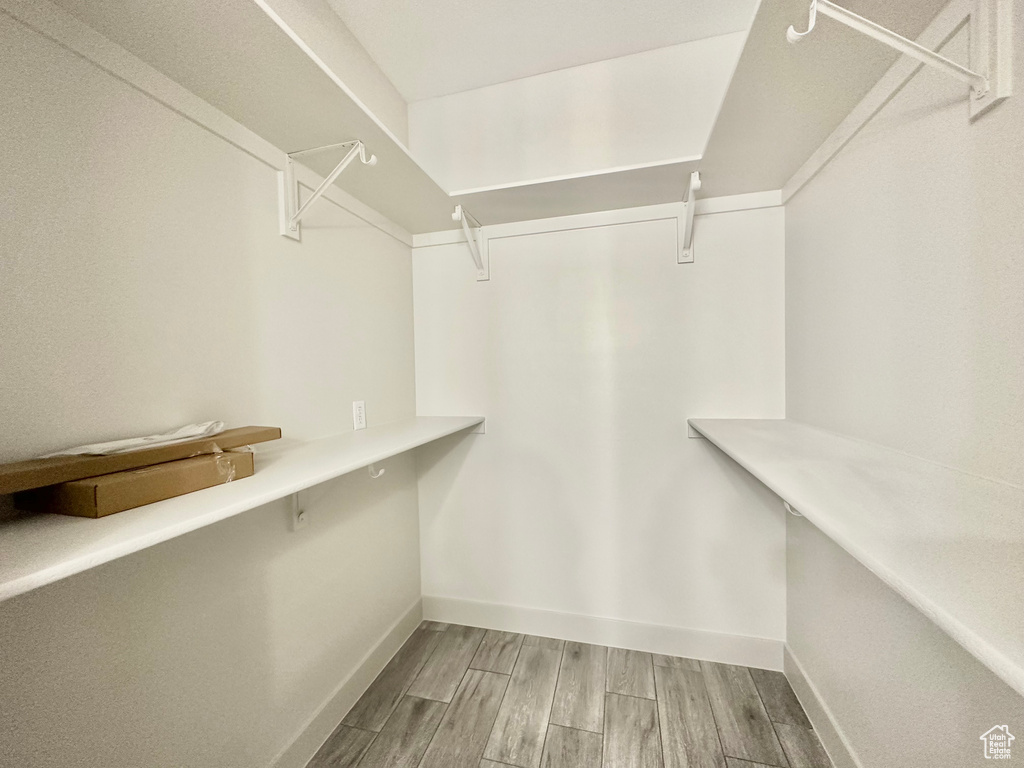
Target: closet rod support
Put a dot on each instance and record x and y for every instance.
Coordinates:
(991, 17)
(480, 259)
(299, 519)
(324, 148)
(686, 222)
(291, 211)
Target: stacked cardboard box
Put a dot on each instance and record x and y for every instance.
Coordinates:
(94, 486)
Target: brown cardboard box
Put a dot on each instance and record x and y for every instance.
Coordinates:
(107, 494)
(24, 475)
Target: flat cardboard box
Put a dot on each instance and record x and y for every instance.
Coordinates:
(107, 494)
(36, 473)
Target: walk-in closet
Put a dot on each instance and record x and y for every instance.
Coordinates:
(511, 383)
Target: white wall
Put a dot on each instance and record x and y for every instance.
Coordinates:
(143, 284)
(904, 275)
(648, 107)
(905, 326)
(587, 350)
(894, 681)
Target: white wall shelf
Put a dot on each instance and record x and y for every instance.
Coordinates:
(262, 71)
(951, 543)
(40, 549)
(267, 65)
(611, 189)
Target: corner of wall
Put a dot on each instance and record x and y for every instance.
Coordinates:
(322, 724)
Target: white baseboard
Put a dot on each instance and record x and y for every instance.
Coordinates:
(654, 638)
(825, 725)
(323, 722)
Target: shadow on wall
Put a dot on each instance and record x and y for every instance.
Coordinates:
(163, 643)
(343, 579)
(531, 556)
(7, 510)
(214, 648)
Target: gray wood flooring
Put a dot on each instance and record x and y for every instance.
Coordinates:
(461, 697)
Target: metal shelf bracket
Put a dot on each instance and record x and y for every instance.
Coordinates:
(686, 220)
(477, 243)
(290, 212)
(989, 75)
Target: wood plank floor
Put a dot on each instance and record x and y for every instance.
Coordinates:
(461, 697)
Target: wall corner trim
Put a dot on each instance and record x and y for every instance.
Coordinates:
(763, 653)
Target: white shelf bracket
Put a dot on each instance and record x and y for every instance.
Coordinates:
(686, 220)
(991, 47)
(299, 519)
(477, 243)
(290, 212)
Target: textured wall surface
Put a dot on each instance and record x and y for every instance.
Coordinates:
(143, 285)
(905, 326)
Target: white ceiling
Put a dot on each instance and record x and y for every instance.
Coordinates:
(434, 48)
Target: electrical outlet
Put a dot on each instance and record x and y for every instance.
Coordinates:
(359, 415)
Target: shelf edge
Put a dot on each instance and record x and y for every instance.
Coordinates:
(991, 657)
(63, 569)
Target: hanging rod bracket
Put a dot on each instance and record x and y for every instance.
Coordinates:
(477, 243)
(992, 51)
(290, 212)
(686, 220)
(991, 43)
(299, 518)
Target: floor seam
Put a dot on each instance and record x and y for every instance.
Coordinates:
(771, 722)
(574, 728)
(775, 731)
(365, 730)
(497, 711)
(627, 695)
(490, 731)
(714, 718)
(748, 760)
(447, 705)
(366, 749)
(551, 706)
